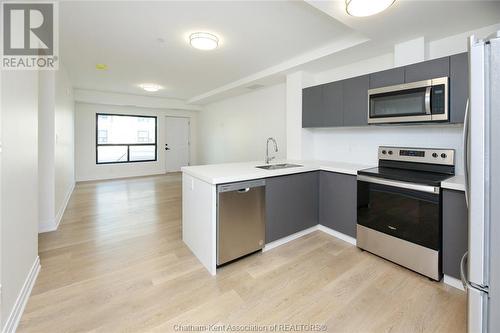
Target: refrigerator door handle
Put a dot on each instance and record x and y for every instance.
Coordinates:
(466, 151)
(463, 274)
(465, 280)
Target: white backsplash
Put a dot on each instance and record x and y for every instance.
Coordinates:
(360, 144)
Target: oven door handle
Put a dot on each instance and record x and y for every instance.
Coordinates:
(399, 184)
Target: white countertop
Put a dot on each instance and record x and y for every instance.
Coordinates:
(454, 183)
(234, 172)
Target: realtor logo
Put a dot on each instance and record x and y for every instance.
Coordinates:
(29, 32)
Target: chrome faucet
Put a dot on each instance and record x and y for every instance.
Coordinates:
(269, 159)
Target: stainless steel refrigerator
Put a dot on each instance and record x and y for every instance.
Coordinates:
(481, 264)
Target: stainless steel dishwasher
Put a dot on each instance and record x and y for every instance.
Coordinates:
(240, 219)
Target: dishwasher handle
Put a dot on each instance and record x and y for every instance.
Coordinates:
(241, 187)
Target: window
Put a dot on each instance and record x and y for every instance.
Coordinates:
(125, 139)
(102, 136)
(142, 136)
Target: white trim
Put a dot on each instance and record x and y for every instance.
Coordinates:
(453, 282)
(290, 238)
(22, 299)
(299, 234)
(336, 234)
(53, 225)
(62, 209)
(46, 226)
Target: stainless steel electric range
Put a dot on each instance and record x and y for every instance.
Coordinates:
(399, 207)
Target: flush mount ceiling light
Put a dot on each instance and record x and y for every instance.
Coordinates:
(203, 41)
(150, 87)
(361, 8)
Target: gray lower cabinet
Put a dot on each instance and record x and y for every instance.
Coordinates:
(291, 204)
(459, 86)
(387, 78)
(338, 202)
(455, 231)
(427, 70)
(355, 101)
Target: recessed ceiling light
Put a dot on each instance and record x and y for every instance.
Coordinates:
(150, 87)
(101, 67)
(363, 8)
(203, 41)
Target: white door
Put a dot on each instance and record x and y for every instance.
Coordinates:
(176, 143)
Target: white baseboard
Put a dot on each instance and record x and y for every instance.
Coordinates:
(47, 226)
(53, 225)
(62, 209)
(290, 238)
(118, 176)
(451, 281)
(299, 234)
(336, 234)
(21, 301)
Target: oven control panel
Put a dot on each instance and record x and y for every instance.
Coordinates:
(417, 155)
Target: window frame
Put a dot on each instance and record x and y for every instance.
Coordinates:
(128, 145)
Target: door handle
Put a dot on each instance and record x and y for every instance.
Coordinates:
(405, 185)
(244, 190)
(465, 139)
(463, 274)
(427, 100)
(166, 146)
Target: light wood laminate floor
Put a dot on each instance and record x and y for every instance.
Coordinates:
(118, 264)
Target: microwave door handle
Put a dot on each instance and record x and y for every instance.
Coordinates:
(427, 100)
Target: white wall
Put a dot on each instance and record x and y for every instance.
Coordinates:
(56, 161)
(85, 150)
(236, 128)
(359, 145)
(64, 142)
(457, 43)
(46, 151)
(19, 184)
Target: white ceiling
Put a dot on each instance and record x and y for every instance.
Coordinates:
(123, 34)
(259, 39)
(407, 19)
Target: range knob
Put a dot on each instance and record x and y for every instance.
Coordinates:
(390, 152)
(435, 155)
(384, 152)
(443, 155)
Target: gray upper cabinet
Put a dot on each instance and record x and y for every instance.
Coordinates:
(388, 77)
(333, 102)
(338, 202)
(345, 103)
(322, 105)
(355, 101)
(459, 86)
(427, 70)
(455, 231)
(312, 107)
(291, 204)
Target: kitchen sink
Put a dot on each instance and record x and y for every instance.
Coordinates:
(278, 166)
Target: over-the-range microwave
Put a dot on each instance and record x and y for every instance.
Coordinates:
(422, 101)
